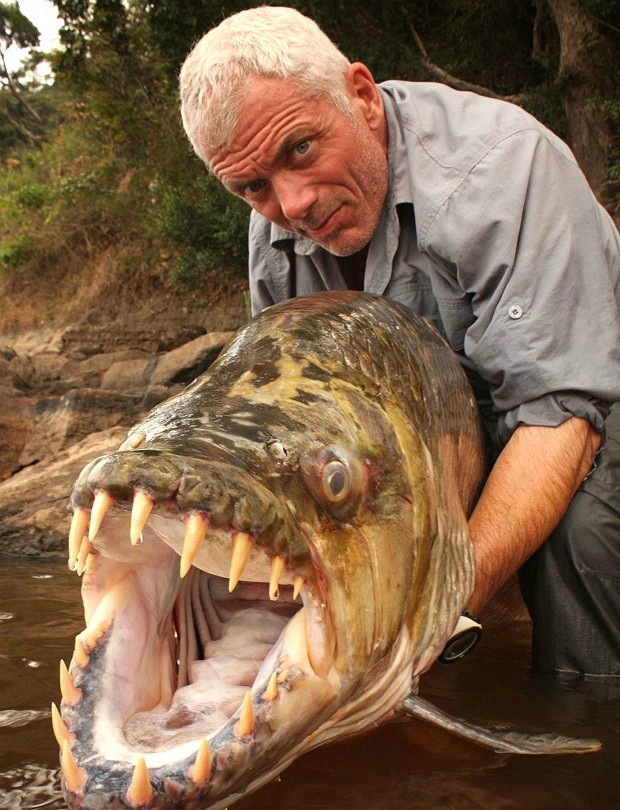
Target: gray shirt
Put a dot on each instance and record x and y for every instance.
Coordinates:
(491, 232)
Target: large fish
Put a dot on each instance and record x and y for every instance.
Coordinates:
(315, 483)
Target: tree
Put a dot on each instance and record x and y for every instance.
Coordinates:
(589, 77)
(16, 29)
(573, 79)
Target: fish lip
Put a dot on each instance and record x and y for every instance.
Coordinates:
(229, 495)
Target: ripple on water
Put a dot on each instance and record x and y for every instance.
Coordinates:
(13, 718)
(30, 787)
(404, 766)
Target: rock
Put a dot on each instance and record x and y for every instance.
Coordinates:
(92, 371)
(14, 372)
(129, 376)
(85, 340)
(16, 425)
(42, 369)
(184, 364)
(61, 421)
(69, 395)
(7, 352)
(33, 503)
(34, 341)
(158, 393)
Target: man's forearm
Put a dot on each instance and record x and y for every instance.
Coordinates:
(524, 498)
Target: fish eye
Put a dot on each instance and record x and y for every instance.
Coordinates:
(336, 481)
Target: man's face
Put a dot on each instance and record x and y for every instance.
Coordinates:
(308, 167)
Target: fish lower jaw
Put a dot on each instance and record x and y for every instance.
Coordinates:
(227, 712)
(211, 705)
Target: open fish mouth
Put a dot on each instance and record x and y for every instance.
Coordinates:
(270, 557)
(189, 661)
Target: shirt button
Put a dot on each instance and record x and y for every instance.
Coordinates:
(515, 312)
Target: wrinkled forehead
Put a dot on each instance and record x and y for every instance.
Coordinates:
(273, 93)
(268, 110)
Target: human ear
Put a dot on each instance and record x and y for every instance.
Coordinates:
(364, 95)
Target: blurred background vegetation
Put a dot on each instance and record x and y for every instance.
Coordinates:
(95, 163)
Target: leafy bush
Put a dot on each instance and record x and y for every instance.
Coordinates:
(209, 225)
(32, 196)
(14, 252)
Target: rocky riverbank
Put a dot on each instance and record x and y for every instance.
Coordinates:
(70, 393)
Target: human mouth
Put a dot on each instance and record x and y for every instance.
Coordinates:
(326, 227)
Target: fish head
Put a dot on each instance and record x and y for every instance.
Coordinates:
(315, 483)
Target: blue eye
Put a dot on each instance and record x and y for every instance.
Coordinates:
(255, 186)
(302, 147)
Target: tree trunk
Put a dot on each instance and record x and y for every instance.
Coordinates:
(587, 71)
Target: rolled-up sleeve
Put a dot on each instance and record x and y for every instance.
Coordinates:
(539, 259)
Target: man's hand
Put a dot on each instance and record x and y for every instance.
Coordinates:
(524, 498)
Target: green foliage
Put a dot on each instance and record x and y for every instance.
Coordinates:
(611, 110)
(104, 165)
(174, 28)
(16, 28)
(544, 102)
(69, 198)
(208, 224)
(31, 196)
(606, 10)
(14, 252)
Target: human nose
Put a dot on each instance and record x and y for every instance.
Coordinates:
(295, 196)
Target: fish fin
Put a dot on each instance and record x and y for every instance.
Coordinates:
(509, 742)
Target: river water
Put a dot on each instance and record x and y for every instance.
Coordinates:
(402, 765)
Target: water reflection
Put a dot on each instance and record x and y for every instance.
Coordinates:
(40, 612)
(404, 765)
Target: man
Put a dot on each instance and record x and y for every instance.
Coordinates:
(472, 213)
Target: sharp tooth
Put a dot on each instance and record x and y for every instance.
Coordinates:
(61, 732)
(80, 656)
(140, 791)
(75, 777)
(85, 549)
(71, 695)
(242, 545)
(79, 525)
(103, 501)
(140, 512)
(295, 642)
(200, 771)
(196, 527)
(247, 720)
(271, 692)
(278, 565)
(298, 583)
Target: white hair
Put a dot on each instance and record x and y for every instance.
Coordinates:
(257, 43)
